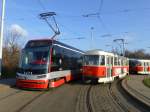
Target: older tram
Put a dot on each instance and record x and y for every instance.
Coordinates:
(139, 66)
(103, 66)
(48, 63)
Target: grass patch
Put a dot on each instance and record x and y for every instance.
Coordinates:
(128, 77)
(146, 82)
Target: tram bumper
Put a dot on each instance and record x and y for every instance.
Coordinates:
(32, 84)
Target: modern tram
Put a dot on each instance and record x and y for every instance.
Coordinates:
(139, 66)
(104, 67)
(48, 63)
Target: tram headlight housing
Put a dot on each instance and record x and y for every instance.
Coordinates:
(41, 76)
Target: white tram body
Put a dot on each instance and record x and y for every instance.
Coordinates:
(139, 66)
(104, 66)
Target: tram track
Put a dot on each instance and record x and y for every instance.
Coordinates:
(102, 100)
(116, 98)
(30, 101)
(99, 98)
(84, 103)
(107, 97)
(125, 100)
(11, 94)
(88, 100)
(17, 100)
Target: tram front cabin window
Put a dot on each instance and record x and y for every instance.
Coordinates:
(94, 60)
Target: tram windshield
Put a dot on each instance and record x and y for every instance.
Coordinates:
(134, 63)
(34, 60)
(94, 60)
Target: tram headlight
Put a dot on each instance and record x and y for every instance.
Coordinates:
(41, 76)
(17, 75)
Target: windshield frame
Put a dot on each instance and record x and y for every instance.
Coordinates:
(41, 65)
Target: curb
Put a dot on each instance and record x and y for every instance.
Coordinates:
(134, 95)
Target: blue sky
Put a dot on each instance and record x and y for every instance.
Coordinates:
(128, 19)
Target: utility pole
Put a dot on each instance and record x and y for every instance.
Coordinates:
(1, 34)
(92, 28)
(123, 45)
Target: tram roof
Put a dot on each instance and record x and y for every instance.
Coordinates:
(142, 60)
(98, 52)
(48, 42)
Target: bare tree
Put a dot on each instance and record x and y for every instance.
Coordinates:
(11, 48)
(139, 54)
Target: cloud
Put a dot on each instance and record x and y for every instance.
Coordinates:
(16, 29)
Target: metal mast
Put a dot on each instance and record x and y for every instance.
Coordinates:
(123, 45)
(1, 33)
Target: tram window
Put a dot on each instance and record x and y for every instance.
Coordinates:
(112, 60)
(102, 60)
(56, 58)
(126, 62)
(140, 64)
(95, 60)
(147, 63)
(123, 62)
(119, 62)
(133, 63)
(107, 60)
(116, 61)
(91, 60)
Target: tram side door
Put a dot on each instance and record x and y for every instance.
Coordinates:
(109, 60)
(145, 68)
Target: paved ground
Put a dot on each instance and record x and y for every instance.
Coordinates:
(134, 85)
(70, 97)
(63, 98)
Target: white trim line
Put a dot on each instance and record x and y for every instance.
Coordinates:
(68, 48)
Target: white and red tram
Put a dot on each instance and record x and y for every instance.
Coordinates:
(48, 63)
(104, 66)
(139, 66)
(120, 66)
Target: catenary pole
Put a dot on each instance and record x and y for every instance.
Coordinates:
(1, 34)
(92, 46)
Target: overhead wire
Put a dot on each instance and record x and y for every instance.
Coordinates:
(72, 32)
(100, 6)
(78, 37)
(41, 5)
(100, 18)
